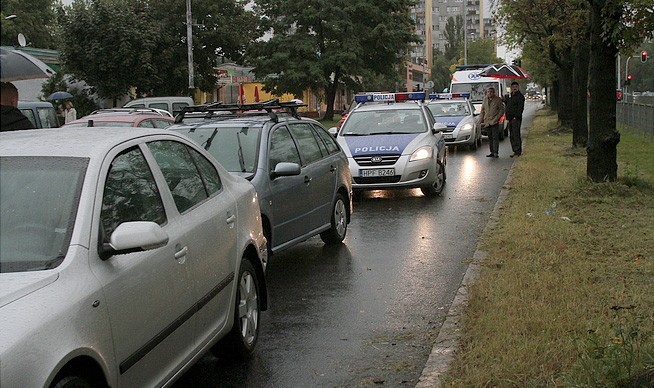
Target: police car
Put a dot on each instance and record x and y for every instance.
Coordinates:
(458, 114)
(394, 144)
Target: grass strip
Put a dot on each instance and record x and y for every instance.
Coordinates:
(565, 296)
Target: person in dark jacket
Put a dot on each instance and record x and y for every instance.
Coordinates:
(515, 104)
(11, 118)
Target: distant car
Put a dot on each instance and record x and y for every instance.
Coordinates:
(459, 116)
(144, 118)
(299, 171)
(396, 144)
(41, 113)
(173, 104)
(125, 254)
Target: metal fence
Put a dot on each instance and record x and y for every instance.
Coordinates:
(638, 116)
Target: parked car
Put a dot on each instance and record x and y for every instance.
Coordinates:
(396, 144)
(458, 115)
(130, 117)
(125, 254)
(299, 171)
(41, 113)
(173, 104)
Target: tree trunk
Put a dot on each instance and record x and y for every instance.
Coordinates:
(330, 97)
(554, 95)
(565, 97)
(580, 97)
(603, 138)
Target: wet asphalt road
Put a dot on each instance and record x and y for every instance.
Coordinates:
(366, 313)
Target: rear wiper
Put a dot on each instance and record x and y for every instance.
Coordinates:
(207, 144)
(241, 160)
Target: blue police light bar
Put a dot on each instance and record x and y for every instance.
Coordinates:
(389, 97)
(447, 96)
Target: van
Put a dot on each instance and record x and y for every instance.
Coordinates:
(466, 79)
(173, 105)
(41, 113)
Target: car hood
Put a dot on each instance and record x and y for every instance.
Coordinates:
(450, 121)
(379, 144)
(15, 285)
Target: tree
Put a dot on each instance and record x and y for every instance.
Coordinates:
(614, 24)
(481, 51)
(454, 36)
(34, 19)
(110, 44)
(318, 43)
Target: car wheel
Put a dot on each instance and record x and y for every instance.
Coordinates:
(72, 381)
(336, 232)
(437, 187)
(240, 341)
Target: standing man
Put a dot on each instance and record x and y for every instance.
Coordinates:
(515, 104)
(492, 110)
(11, 118)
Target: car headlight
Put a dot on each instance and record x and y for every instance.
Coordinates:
(421, 153)
(467, 127)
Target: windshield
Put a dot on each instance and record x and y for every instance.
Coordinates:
(377, 122)
(454, 108)
(477, 90)
(234, 147)
(38, 203)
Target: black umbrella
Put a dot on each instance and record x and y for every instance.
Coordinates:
(59, 96)
(16, 65)
(502, 70)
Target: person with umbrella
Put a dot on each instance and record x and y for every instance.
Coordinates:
(11, 118)
(515, 105)
(70, 113)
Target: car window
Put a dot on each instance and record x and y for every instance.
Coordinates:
(137, 106)
(130, 193)
(48, 117)
(307, 142)
(330, 142)
(30, 115)
(161, 123)
(387, 121)
(207, 172)
(282, 148)
(158, 105)
(178, 106)
(147, 123)
(180, 172)
(39, 197)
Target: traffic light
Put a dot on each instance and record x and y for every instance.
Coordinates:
(643, 56)
(628, 80)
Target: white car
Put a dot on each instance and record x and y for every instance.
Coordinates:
(125, 254)
(396, 144)
(458, 115)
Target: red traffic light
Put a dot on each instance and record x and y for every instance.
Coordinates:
(643, 56)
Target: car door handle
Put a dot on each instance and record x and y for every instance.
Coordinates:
(307, 179)
(181, 253)
(230, 220)
(332, 168)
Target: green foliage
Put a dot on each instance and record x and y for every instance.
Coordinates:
(34, 19)
(318, 43)
(454, 36)
(440, 72)
(481, 51)
(82, 101)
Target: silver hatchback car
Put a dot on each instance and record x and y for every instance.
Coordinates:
(300, 173)
(125, 253)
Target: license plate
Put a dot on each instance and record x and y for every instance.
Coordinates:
(377, 172)
(447, 136)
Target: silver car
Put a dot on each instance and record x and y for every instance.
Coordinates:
(125, 253)
(300, 173)
(396, 144)
(459, 116)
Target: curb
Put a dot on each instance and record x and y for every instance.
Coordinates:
(447, 342)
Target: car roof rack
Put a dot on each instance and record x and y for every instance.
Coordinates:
(155, 111)
(271, 107)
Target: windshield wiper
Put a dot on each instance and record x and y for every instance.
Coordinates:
(207, 144)
(241, 160)
(391, 133)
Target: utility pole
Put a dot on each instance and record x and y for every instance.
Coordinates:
(189, 48)
(465, 32)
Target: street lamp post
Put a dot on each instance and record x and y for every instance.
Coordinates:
(189, 46)
(465, 32)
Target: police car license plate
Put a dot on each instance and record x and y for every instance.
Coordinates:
(377, 172)
(447, 136)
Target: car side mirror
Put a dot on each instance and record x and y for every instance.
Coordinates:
(333, 131)
(286, 169)
(439, 127)
(134, 236)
